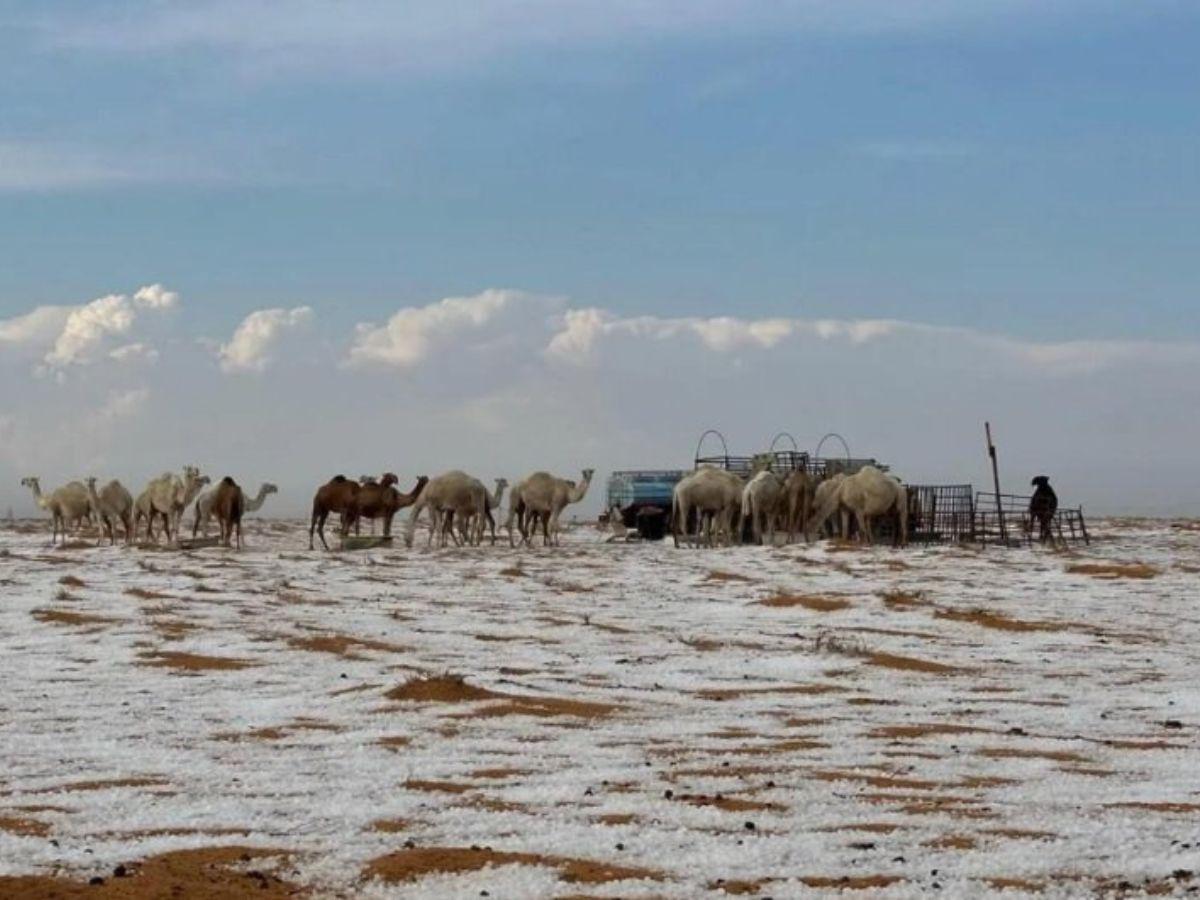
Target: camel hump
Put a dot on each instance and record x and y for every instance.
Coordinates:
(228, 481)
(339, 479)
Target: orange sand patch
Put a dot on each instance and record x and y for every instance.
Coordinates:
(909, 732)
(856, 883)
(438, 787)
(996, 621)
(60, 617)
(952, 842)
(24, 827)
(730, 804)
(912, 664)
(205, 874)
(498, 774)
(441, 689)
(415, 864)
(547, 706)
(816, 604)
(1112, 571)
(395, 742)
(1014, 753)
(513, 572)
(616, 819)
(1166, 807)
(71, 581)
(193, 662)
(391, 826)
(103, 785)
(342, 645)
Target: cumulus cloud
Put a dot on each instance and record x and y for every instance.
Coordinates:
(87, 327)
(416, 333)
(80, 335)
(134, 353)
(36, 328)
(252, 347)
(155, 296)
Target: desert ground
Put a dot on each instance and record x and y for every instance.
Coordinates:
(601, 720)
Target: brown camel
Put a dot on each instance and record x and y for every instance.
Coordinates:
(381, 500)
(228, 506)
(337, 496)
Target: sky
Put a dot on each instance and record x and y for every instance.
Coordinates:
(287, 240)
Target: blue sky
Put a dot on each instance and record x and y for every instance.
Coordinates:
(1019, 169)
(998, 166)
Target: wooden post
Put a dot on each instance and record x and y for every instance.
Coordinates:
(987, 427)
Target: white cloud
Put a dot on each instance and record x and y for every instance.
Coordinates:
(38, 327)
(415, 333)
(134, 353)
(87, 326)
(155, 296)
(252, 347)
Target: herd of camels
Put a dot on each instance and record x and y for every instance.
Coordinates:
(710, 506)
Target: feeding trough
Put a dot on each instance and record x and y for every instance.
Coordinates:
(365, 542)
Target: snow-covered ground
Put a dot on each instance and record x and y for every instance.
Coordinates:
(635, 721)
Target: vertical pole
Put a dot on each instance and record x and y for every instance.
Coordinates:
(987, 427)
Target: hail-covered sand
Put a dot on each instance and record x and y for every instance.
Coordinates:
(606, 720)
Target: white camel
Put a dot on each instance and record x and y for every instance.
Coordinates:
(493, 503)
(761, 501)
(867, 495)
(111, 505)
(68, 505)
(715, 497)
(204, 506)
(453, 493)
(167, 496)
(797, 502)
(543, 497)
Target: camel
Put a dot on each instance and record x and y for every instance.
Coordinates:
(452, 493)
(167, 496)
(714, 495)
(797, 502)
(824, 493)
(113, 504)
(760, 504)
(867, 494)
(544, 497)
(68, 504)
(204, 505)
(228, 505)
(335, 496)
(493, 502)
(381, 500)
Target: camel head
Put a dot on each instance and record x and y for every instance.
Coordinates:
(501, 482)
(90, 482)
(587, 475)
(1040, 481)
(388, 479)
(191, 472)
(30, 482)
(269, 488)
